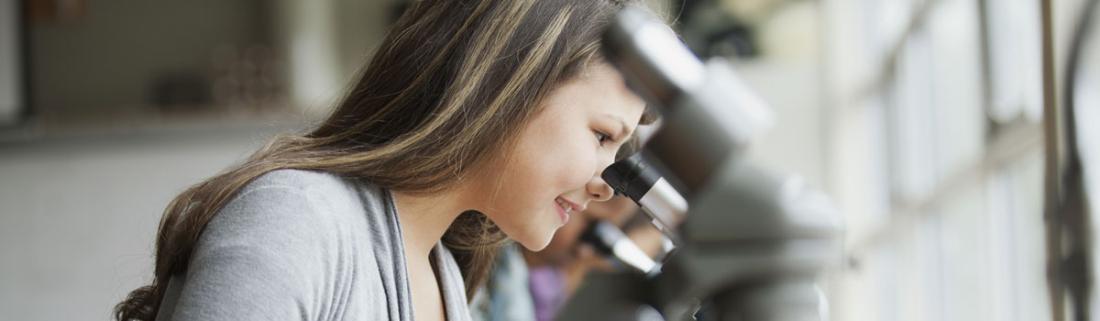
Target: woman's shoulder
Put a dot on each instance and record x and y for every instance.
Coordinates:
(296, 179)
(301, 211)
(290, 235)
(320, 188)
(303, 197)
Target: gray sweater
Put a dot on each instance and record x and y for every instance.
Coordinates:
(302, 245)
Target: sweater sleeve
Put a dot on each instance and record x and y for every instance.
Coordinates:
(265, 256)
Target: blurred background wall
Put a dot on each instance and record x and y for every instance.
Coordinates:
(11, 88)
(936, 141)
(140, 45)
(128, 103)
(920, 117)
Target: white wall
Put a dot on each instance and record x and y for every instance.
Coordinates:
(787, 76)
(326, 43)
(78, 214)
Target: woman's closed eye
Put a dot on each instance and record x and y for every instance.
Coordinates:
(602, 137)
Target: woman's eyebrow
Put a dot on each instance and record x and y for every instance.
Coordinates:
(625, 131)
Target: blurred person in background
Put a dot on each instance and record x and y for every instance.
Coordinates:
(473, 122)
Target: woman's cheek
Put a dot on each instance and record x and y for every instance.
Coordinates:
(574, 162)
(583, 165)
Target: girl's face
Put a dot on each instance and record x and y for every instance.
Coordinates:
(554, 170)
(566, 246)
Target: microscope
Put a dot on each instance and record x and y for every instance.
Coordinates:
(750, 244)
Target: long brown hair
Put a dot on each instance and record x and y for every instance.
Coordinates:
(451, 85)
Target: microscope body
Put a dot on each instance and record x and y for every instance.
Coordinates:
(753, 242)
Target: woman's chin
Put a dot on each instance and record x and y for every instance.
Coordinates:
(535, 244)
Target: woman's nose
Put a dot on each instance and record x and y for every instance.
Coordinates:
(599, 190)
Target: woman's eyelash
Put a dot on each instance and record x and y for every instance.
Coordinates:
(602, 137)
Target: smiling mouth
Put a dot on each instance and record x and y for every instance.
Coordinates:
(565, 208)
(565, 205)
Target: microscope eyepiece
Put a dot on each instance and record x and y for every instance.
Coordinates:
(643, 184)
(631, 177)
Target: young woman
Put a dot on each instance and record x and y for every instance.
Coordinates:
(472, 119)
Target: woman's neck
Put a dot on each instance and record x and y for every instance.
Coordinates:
(424, 219)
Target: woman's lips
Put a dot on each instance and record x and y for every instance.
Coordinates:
(563, 213)
(565, 208)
